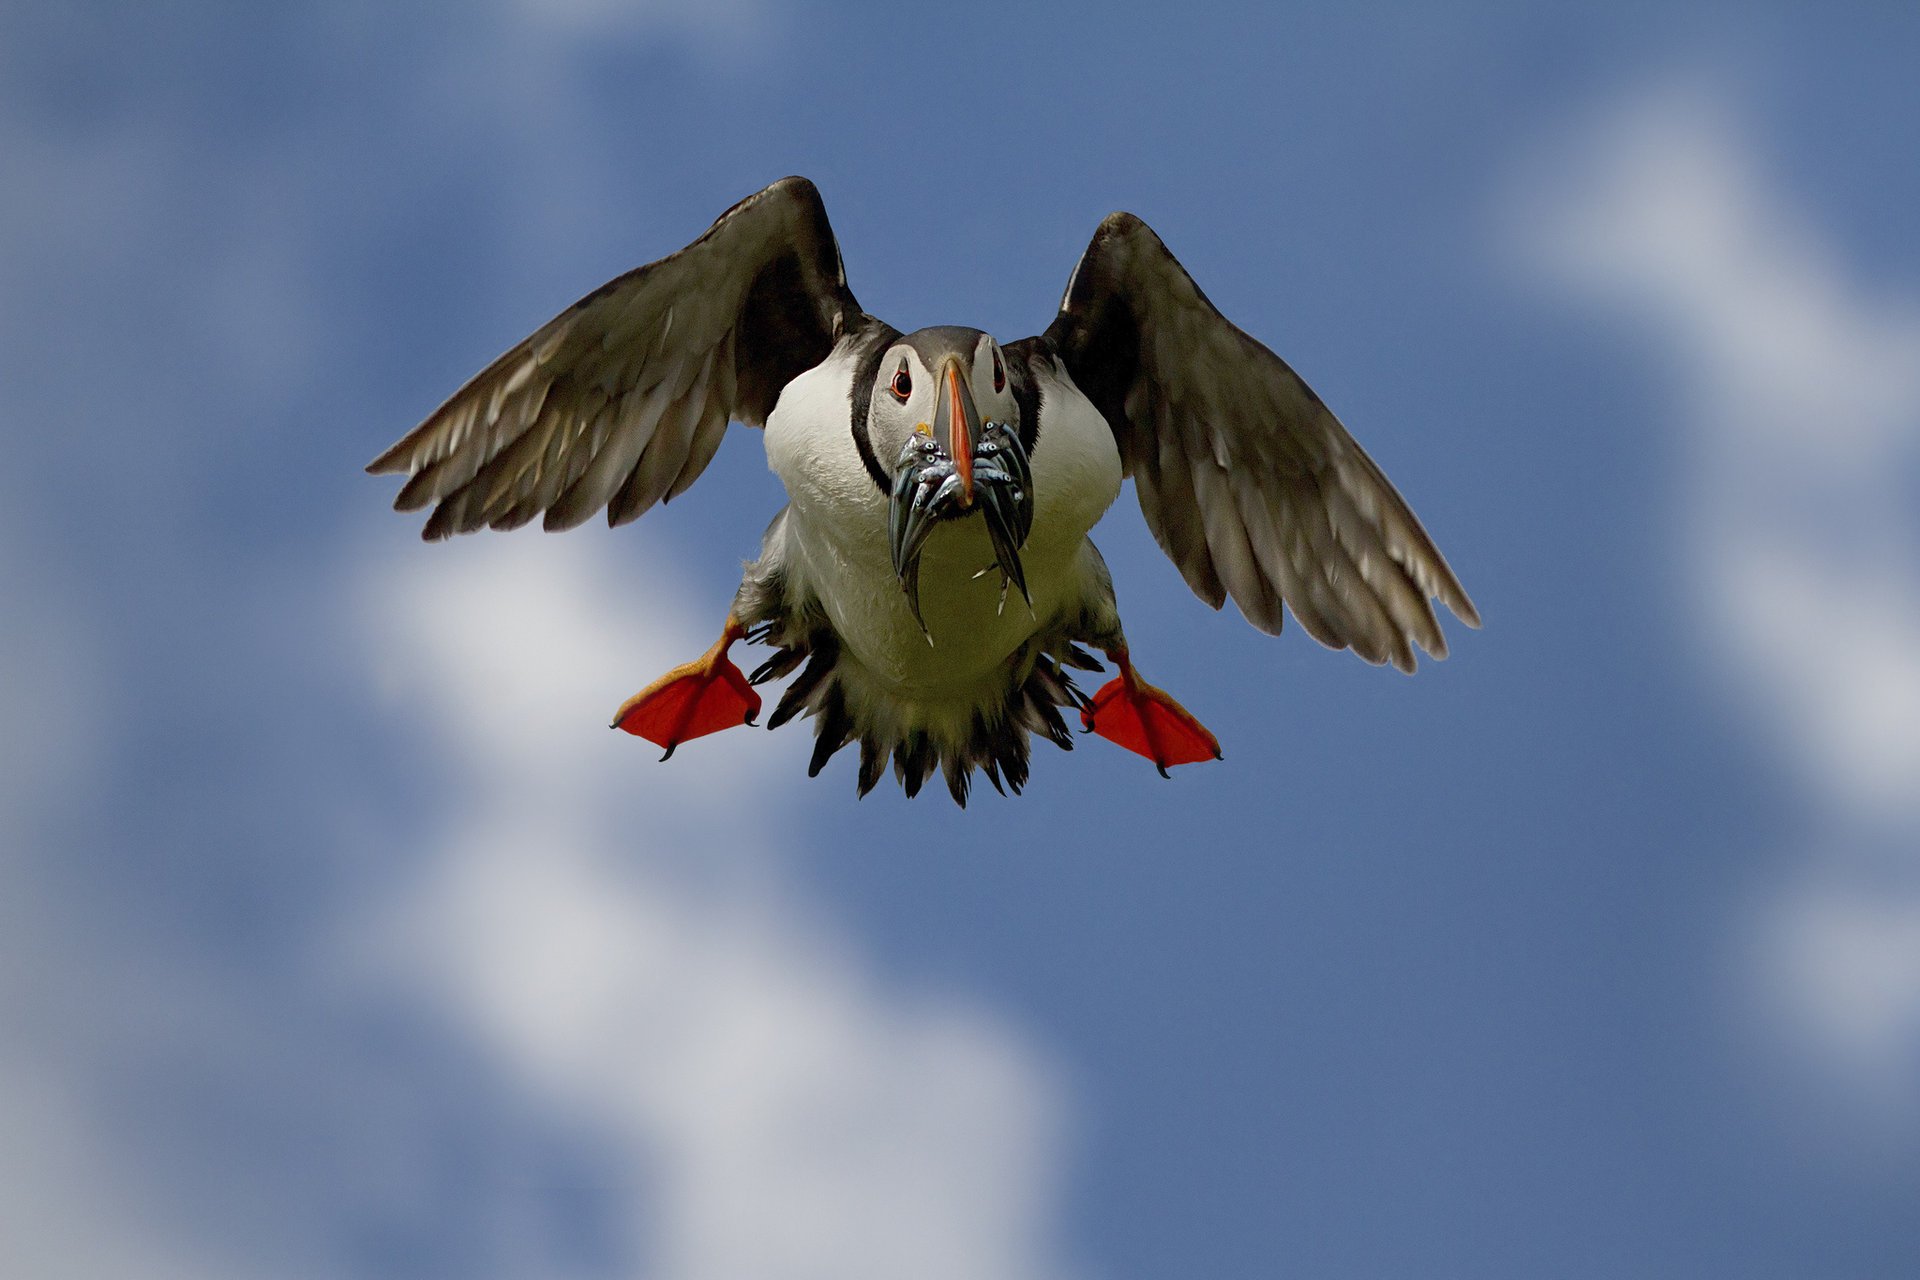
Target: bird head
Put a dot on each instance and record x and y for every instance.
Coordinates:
(942, 383)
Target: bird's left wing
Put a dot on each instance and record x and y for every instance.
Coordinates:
(621, 400)
(1248, 482)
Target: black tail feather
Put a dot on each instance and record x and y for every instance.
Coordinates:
(782, 662)
(835, 731)
(997, 741)
(1073, 655)
(873, 762)
(912, 761)
(800, 693)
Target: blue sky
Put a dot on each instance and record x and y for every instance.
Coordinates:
(338, 937)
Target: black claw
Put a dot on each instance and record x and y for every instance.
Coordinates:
(835, 731)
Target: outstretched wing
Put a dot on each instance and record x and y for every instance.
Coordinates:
(621, 400)
(1248, 481)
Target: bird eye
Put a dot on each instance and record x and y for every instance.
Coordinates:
(999, 373)
(902, 384)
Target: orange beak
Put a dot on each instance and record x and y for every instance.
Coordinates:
(956, 424)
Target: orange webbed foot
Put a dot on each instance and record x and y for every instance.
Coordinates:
(1144, 719)
(692, 700)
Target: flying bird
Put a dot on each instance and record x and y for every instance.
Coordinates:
(930, 576)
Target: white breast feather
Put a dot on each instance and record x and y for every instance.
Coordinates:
(838, 552)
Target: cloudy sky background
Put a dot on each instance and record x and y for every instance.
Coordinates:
(339, 938)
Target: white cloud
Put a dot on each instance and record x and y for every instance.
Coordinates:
(783, 1111)
(77, 1200)
(68, 1214)
(66, 1210)
(1842, 959)
(616, 945)
(1801, 407)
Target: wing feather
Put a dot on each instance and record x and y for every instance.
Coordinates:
(1233, 556)
(622, 399)
(1247, 480)
(707, 435)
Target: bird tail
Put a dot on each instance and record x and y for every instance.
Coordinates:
(993, 737)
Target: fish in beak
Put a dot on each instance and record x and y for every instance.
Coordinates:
(942, 469)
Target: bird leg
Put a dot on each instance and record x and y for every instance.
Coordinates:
(694, 699)
(1147, 720)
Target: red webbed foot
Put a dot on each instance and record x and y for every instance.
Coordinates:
(692, 700)
(1147, 720)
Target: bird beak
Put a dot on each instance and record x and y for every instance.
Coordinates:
(956, 425)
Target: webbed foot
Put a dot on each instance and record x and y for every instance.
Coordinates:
(692, 700)
(1144, 719)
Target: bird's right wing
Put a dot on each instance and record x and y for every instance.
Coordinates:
(621, 400)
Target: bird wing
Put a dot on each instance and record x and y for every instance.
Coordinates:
(621, 400)
(1249, 483)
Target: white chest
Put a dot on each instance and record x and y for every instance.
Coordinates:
(838, 550)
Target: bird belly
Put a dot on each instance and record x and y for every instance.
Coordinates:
(972, 626)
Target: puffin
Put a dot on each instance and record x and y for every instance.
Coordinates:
(931, 577)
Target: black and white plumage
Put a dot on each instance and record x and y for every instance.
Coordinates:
(1247, 480)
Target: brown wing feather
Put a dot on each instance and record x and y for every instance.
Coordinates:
(620, 400)
(1248, 482)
